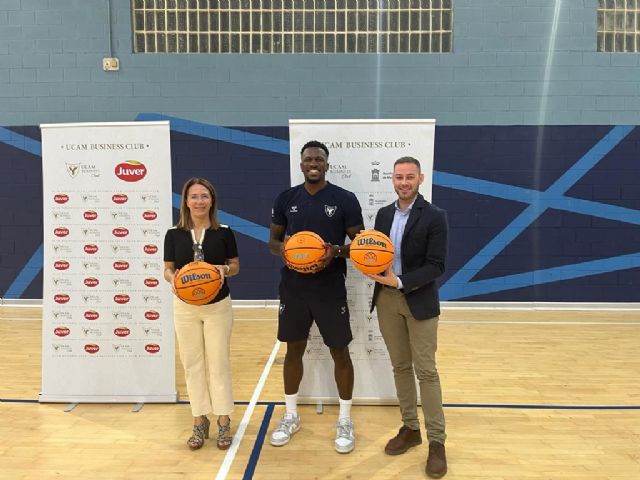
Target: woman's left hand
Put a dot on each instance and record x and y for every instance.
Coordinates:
(223, 269)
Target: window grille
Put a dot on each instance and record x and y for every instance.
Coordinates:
(292, 26)
(619, 25)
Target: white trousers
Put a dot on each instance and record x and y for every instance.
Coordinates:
(204, 337)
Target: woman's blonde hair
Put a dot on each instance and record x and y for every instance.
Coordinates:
(184, 222)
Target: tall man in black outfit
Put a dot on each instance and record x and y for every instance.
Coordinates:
(406, 297)
(333, 213)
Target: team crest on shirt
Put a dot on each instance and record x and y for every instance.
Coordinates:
(330, 210)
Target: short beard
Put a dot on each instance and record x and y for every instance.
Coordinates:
(313, 181)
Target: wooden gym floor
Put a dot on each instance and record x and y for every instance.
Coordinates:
(529, 395)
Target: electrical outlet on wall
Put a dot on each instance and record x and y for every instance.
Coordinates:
(110, 64)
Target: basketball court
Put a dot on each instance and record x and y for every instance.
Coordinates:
(529, 394)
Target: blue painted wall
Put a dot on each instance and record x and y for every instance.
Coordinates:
(551, 218)
(537, 214)
(51, 71)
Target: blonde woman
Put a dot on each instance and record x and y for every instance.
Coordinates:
(204, 332)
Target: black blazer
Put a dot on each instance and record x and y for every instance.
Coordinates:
(423, 253)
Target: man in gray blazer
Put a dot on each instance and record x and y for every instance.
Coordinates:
(406, 297)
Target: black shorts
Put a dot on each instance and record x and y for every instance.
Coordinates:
(328, 307)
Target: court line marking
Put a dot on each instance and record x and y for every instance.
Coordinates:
(527, 322)
(259, 442)
(242, 427)
(446, 405)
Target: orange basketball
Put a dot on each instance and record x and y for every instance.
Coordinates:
(197, 283)
(303, 250)
(371, 252)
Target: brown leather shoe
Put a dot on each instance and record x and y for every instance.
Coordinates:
(402, 442)
(437, 461)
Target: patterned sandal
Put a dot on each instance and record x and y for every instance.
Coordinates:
(200, 432)
(224, 437)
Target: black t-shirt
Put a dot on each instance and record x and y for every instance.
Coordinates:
(328, 213)
(217, 246)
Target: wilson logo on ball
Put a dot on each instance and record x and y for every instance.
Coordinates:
(121, 332)
(61, 232)
(91, 282)
(151, 282)
(90, 249)
(151, 315)
(61, 331)
(120, 232)
(368, 241)
(152, 348)
(91, 315)
(61, 298)
(61, 198)
(121, 299)
(131, 171)
(121, 265)
(61, 265)
(150, 249)
(119, 198)
(91, 348)
(194, 277)
(90, 215)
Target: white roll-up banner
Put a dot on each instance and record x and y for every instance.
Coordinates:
(107, 326)
(361, 157)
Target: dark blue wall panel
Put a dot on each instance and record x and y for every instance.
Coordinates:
(536, 214)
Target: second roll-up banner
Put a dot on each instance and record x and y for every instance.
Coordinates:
(361, 157)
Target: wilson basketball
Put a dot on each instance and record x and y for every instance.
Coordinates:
(197, 283)
(303, 250)
(371, 252)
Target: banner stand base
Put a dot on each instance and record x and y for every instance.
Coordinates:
(137, 407)
(70, 407)
(137, 400)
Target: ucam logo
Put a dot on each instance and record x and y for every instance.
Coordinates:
(150, 249)
(131, 171)
(61, 265)
(90, 215)
(61, 198)
(149, 215)
(120, 232)
(119, 198)
(61, 331)
(152, 348)
(61, 232)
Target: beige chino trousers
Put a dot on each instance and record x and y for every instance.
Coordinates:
(204, 337)
(412, 346)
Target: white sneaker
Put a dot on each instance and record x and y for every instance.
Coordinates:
(345, 437)
(289, 425)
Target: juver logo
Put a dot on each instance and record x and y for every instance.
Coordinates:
(131, 171)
